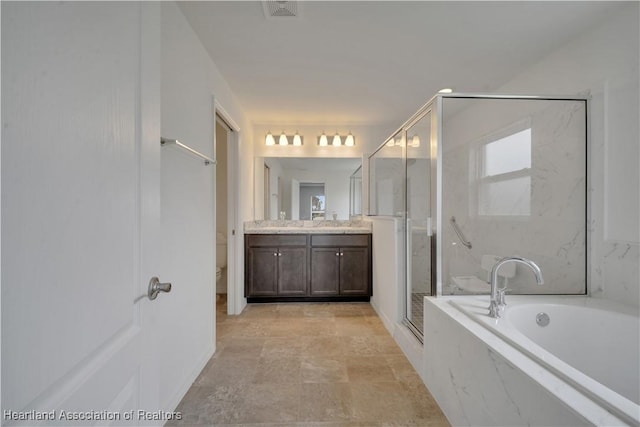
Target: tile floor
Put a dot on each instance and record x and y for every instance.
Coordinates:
(307, 365)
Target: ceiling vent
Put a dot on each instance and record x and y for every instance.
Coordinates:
(280, 9)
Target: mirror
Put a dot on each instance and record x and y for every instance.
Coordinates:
(305, 188)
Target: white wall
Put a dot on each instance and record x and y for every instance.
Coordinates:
(605, 62)
(388, 264)
(388, 278)
(190, 82)
(275, 198)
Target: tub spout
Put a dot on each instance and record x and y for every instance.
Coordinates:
(496, 306)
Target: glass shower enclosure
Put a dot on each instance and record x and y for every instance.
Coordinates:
(476, 177)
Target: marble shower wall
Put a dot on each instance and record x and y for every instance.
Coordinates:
(544, 220)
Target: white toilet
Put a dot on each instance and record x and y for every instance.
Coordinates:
(221, 261)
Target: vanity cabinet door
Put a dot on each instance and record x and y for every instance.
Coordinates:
(262, 272)
(292, 271)
(325, 271)
(354, 271)
(341, 265)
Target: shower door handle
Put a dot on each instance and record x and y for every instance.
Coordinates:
(155, 287)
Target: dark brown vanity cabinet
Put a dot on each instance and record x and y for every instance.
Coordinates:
(276, 265)
(341, 265)
(311, 267)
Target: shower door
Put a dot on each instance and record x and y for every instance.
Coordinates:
(420, 219)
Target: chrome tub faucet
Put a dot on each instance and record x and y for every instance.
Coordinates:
(496, 307)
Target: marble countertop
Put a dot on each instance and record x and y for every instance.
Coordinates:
(308, 230)
(307, 227)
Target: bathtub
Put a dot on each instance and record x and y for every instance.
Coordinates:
(565, 360)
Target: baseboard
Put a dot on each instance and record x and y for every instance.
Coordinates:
(410, 346)
(406, 340)
(253, 300)
(385, 320)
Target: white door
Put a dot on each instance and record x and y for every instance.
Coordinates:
(80, 209)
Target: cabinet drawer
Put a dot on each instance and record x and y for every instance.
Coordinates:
(340, 240)
(257, 240)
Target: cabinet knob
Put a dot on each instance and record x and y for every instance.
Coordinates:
(279, 253)
(341, 253)
(337, 254)
(275, 254)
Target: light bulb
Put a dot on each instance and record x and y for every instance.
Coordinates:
(268, 140)
(283, 139)
(297, 140)
(336, 140)
(323, 142)
(415, 141)
(350, 141)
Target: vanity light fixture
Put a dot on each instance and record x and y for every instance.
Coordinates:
(322, 140)
(283, 139)
(269, 140)
(337, 140)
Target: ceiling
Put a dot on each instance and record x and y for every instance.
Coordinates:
(369, 63)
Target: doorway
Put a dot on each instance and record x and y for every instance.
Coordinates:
(312, 201)
(227, 137)
(222, 202)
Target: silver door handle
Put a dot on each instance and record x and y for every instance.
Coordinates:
(155, 287)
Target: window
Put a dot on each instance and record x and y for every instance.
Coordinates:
(505, 173)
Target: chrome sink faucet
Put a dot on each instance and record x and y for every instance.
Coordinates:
(496, 307)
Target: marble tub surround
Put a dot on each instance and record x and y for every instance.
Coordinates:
(307, 364)
(487, 378)
(303, 227)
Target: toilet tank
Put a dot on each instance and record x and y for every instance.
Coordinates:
(221, 250)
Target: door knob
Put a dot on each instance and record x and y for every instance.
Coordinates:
(155, 287)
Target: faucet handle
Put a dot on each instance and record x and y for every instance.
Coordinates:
(495, 309)
(501, 294)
